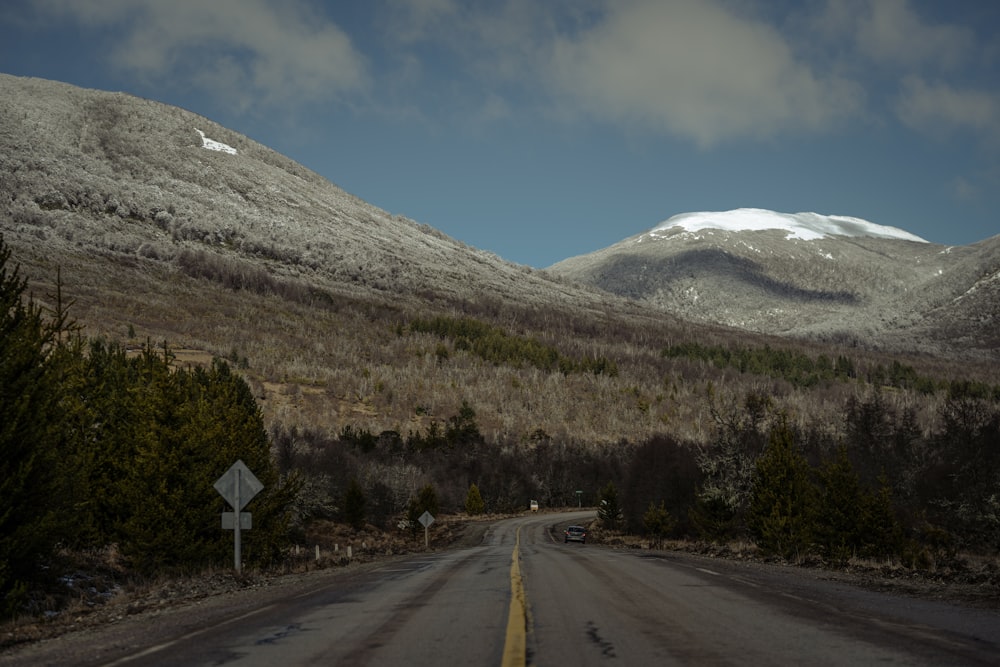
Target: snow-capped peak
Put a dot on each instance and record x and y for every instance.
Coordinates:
(805, 226)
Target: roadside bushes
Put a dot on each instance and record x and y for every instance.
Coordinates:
(148, 441)
(33, 507)
(880, 490)
(783, 500)
(99, 446)
(474, 501)
(663, 477)
(964, 487)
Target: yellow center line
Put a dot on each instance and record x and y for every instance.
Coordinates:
(516, 646)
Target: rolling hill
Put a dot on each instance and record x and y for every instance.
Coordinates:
(805, 275)
(159, 226)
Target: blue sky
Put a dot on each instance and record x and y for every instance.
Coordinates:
(540, 130)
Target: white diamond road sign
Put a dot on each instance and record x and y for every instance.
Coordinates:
(238, 485)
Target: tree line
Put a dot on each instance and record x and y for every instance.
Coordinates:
(495, 345)
(100, 446)
(802, 370)
(875, 487)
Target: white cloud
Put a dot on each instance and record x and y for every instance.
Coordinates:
(246, 51)
(964, 190)
(694, 69)
(707, 71)
(891, 32)
(410, 21)
(939, 108)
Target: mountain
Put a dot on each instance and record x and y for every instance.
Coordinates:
(829, 278)
(382, 353)
(90, 171)
(158, 225)
(155, 225)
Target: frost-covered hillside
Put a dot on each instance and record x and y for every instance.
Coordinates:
(128, 198)
(108, 174)
(825, 277)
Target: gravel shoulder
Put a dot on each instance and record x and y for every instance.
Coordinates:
(177, 606)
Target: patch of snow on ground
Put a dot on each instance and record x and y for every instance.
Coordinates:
(213, 145)
(804, 226)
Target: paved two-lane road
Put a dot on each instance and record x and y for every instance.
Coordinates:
(525, 596)
(594, 606)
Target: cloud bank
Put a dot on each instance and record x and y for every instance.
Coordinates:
(703, 71)
(245, 52)
(695, 70)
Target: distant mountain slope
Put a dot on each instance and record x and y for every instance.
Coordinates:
(91, 171)
(164, 227)
(822, 277)
(118, 192)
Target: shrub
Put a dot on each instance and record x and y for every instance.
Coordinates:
(474, 501)
(658, 522)
(782, 506)
(30, 493)
(609, 510)
(354, 505)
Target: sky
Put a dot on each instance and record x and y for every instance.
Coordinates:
(545, 129)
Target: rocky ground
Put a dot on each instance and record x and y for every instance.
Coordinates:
(99, 597)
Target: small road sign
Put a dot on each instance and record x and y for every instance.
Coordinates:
(229, 521)
(426, 519)
(238, 486)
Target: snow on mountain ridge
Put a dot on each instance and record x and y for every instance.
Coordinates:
(804, 226)
(213, 145)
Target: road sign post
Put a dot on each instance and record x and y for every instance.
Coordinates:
(238, 486)
(426, 519)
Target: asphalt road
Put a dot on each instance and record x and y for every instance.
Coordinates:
(525, 597)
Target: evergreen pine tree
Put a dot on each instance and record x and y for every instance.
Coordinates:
(658, 522)
(609, 510)
(355, 511)
(782, 505)
(426, 501)
(881, 533)
(199, 422)
(474, 501)
(841, 509)
(30, 498)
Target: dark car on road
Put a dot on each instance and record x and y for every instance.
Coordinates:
(575, 534)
